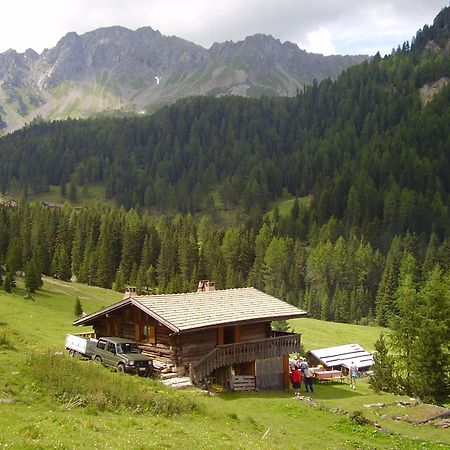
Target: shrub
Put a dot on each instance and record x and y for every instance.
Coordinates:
(6, 343)
(75, 382)
(359, 418)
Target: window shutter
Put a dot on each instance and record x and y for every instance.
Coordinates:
(137, 332)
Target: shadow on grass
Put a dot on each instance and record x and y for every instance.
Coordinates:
(321, 392)
(335, 391)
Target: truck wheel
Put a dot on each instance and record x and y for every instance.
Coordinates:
(98, 359)
(121, 368)
(72, 353)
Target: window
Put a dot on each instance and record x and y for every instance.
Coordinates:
(111, 347)
(148, 333)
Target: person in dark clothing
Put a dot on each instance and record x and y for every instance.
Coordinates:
(309, 380)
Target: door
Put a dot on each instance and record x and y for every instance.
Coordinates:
(231, 335)
(110, 354)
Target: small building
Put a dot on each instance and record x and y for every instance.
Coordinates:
(341, 357)
(212, 335)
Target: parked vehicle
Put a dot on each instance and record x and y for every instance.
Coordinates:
(121, 354)
(78, 345)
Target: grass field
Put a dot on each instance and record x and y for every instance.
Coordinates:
(318, 333)
(286, 203)
(41, 412)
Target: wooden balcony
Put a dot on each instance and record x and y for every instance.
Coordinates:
(279, 344)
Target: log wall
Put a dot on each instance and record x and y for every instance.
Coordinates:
(180, 349)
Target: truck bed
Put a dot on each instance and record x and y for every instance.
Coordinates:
(80, 345)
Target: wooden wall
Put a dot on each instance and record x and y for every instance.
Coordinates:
(192, 346)
(171, 348)
(254, 331)
(270, 374)
(127, 323)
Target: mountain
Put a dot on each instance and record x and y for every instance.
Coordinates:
(370, 149)
(116, 69)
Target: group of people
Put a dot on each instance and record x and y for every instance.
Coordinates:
(300, 371)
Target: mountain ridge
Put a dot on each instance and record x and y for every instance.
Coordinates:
(115, 68)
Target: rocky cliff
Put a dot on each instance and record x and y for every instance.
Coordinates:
(119, 70)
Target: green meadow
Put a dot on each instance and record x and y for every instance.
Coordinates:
(48, 400)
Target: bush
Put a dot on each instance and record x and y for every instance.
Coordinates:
(6, 343)
(75, 382)
(359, 418)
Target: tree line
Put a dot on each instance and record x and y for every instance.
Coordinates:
(373, 154)
(332, 276)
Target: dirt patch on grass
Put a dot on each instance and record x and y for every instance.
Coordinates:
(423, 413)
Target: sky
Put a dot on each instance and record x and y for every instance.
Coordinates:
(321, 26)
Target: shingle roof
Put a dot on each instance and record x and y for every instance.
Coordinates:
(182, 312)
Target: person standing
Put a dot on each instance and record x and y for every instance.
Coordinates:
(309, 380)
(303, 368)
(353, 375)
(296, 379)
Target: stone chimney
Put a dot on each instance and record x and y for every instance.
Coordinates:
(206, 286)
(130, 291)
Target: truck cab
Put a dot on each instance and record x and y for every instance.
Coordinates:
(122, 355)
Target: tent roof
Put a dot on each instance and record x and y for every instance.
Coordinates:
(344, 355)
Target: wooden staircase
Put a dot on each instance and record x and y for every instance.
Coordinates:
(279, 344)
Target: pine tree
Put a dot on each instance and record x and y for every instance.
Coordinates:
(383, 369)
(106, 255)
(275, 267)
(263, 239)
(61, 263)
(430, 377)
(14, 256)
(388, 284)
(119, 282)
(132, 241)
(9, 282)
(78, 310)
(405, 318)
(33, 278)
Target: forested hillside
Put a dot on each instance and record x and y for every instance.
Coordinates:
(372, 149)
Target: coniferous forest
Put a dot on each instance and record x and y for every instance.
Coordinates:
(372, 149)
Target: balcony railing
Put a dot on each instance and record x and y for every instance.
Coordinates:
(279, 344)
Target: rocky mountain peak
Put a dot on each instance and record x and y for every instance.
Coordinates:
(115, 67)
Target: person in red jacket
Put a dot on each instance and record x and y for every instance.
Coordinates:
(296, 379)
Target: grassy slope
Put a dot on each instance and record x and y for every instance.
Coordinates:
(318, 334)
(231, 420)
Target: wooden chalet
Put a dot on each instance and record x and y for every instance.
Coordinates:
(215, 335)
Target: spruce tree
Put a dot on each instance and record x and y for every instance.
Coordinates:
(9, 282)
(430, 377)
(33, 280)
(383, 369)
(78, 310)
